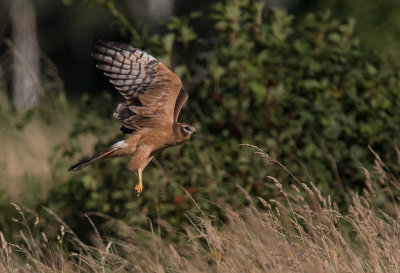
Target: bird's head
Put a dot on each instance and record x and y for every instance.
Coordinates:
(186, 130)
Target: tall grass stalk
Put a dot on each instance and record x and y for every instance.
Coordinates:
(300, 230)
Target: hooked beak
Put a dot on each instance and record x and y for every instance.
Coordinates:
(194, 131)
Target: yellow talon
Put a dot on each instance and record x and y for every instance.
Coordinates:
(139, 186)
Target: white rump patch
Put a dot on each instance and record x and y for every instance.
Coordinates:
(121, 144)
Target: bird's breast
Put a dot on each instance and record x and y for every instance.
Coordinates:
(159, 139)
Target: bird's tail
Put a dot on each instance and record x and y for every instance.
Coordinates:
(107, 152)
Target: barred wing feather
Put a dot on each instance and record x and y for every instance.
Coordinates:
(150, 88)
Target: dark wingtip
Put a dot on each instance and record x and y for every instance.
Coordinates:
(126, 130)
(96, 56)
(103, 42)
(101, 66)
(74, 168)
(101, 46)
(77, 166)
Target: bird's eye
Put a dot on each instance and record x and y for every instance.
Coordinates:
(185, 129)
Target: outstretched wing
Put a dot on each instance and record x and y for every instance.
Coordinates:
(180, 101)
(149, 87)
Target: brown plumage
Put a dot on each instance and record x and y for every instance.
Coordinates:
(153, 100)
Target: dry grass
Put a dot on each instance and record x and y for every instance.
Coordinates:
(301, 231)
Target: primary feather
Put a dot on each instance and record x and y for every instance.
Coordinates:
(150, 88)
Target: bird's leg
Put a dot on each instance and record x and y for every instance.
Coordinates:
(139, 186)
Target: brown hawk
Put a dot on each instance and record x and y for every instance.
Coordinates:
(153, 99)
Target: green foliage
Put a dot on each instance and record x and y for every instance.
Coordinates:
(122, 22)
(302, 89)
(379, 31)
(181, 25)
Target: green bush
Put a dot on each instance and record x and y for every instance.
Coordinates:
(302, 89)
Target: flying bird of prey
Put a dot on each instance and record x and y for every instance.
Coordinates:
(153, 99)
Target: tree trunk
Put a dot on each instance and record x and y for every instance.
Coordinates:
(25, 84)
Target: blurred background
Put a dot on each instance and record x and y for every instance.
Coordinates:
(313, 83)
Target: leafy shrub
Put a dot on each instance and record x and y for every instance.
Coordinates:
(302, 89)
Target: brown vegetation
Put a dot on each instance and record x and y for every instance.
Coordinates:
(298, 231)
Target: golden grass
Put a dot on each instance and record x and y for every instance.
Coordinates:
(300, 231)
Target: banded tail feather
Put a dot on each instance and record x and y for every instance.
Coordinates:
(107, 152)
